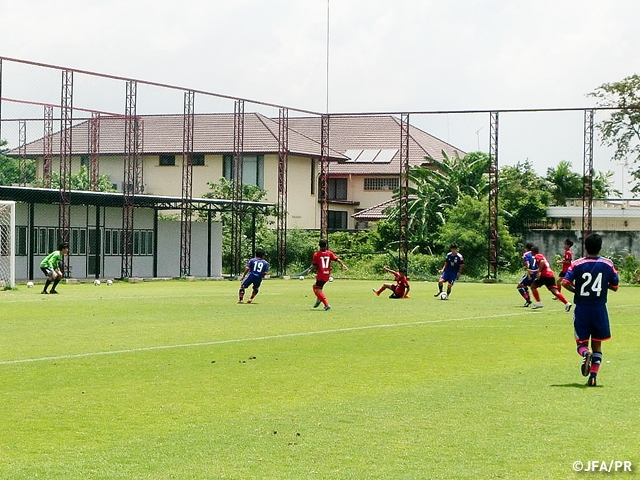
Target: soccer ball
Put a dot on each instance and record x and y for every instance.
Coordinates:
(301, 277)
(443, 296)
(29, 284)
(96, 282)
(331, 279)
(109, 282)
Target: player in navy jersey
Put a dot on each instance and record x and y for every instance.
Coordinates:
(590, 278)
(253, 274)
(528, 278)
(451, 270)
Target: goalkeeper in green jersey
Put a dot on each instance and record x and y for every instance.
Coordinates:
(51, 265)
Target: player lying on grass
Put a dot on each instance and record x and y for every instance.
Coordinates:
(400, 289)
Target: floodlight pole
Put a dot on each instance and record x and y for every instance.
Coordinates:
(94, 149)
(492, 274)
(403, 196)
(236, 206)
(129, 184)
(324, 175)
(587, 176)
(22, 151)
(187, 184)
(66, 124)
(283, 161)
(47, 146)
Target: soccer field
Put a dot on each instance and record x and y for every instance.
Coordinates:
(174, 380)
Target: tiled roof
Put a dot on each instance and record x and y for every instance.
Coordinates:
(374, 133)
(376, 212)
(372, 136)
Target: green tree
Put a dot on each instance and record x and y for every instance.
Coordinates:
(80, 181)
(564, 183)
(524, 197)
(603, 185)
(14, 171)
(622, 129)
(260, 235)
(433, 190)
(468, 226)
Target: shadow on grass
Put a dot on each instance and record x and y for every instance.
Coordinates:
(575, 385)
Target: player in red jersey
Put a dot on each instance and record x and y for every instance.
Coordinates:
(321, 265)
(400, 289)
(566, 260)
(546, 277)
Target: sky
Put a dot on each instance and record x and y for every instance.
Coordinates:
(378, 56)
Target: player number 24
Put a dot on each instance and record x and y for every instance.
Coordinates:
(594, 285)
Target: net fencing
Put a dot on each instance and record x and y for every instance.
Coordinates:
(7, 245)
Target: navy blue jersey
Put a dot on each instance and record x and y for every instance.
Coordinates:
(529, 260)
(592, 277)
(258, 267)
(453, 262)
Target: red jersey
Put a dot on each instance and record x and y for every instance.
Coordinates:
(322, 259)
(401, 284)
(543, 266)
(567, 258)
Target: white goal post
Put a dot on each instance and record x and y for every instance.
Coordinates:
(7, 245)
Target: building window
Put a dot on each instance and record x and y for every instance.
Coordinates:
(197, 159)
(94, 241)
(381, 183)
(78, 242)
(21, 241)
(252, 169)
(336, 220)
(337, 188)
(142, 242)
(167, 160)
(53, 240)
(44, 240)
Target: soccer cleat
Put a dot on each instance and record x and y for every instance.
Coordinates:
(375, 291)
(249, 301)
(327, 307)
(567, 307)
(437, 294)
(527, 303)
(317, 304)
(537, 305)
(54, 292)
(44, 292)
(240, 301)
(592, 381)
(586, 364)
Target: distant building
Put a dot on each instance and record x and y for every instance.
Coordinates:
(96, 234)
(606, 215)
(364, 155)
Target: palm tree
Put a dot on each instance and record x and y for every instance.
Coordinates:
(435, 187)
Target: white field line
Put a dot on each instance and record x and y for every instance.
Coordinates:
(267, 337)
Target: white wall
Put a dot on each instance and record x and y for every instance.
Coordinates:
(142, 265)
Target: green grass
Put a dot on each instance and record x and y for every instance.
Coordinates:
(173, 380)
